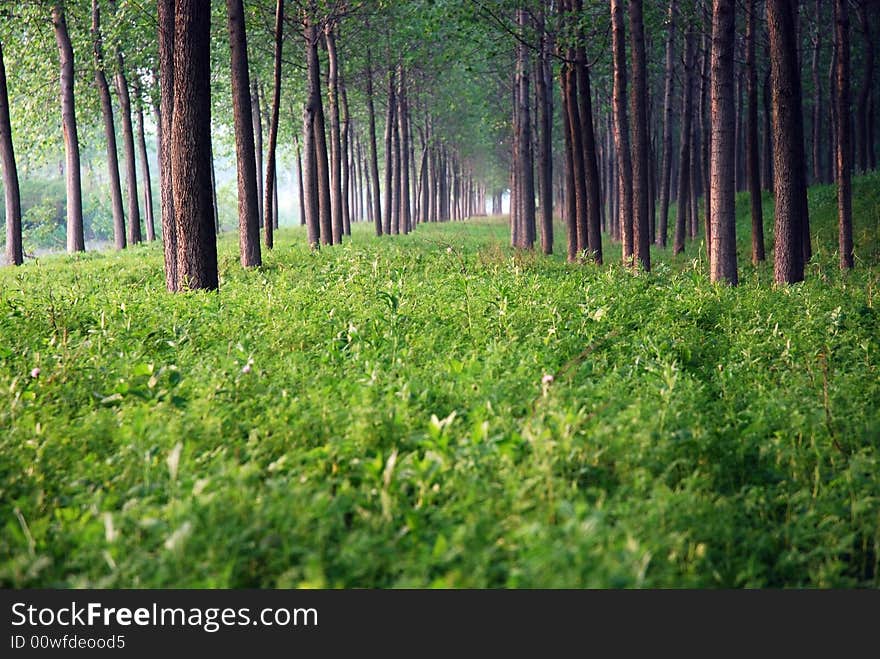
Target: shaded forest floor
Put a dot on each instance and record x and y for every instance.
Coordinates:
(382, 415)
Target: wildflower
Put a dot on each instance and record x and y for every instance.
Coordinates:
(246, 368)
(547, 379)
(35, 372)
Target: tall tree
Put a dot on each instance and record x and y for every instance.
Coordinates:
(314, 227)
(149, 219)
(335, 145)
(666, 167)
(863, 116)
(843, 160)
(686, 153)
(723, 218)
(640, 146)
(591, 166)
(818, 114)
(621, 129)
(166, 21)
(544, 102)
(789, 182)
(753, 172)
(246, 165)
(134, 213)
(373, 177)
(191, 147)
(271, 201)
(75, 236)
(14, 253)
(109, 130)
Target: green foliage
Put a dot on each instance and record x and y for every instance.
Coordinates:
(379, 415)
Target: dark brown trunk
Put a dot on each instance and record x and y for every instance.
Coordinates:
(752, 163)
(191, 147)
(640, 146)
(109, 131)
(543, 90)
(621, 130)
(271, 201)
(248, 204)
(403, 131)
(389, 154)
(590, 165)
(166, 111)
(767, 160)
(788, 144)
(862, 116)
(75, 238)
(843, 163)
(310, 156)
(723, 257)
(819, 175)
(347, 167)
(666, 167)
(14, 253)
(684, 152)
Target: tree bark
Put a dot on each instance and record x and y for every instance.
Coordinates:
(818, 169)
(843, 162)
(134, 213)
(348, 167)
(149, 218)
(723, 258)
(753, 173)
(685, 151)
(621, 130)
(862, 115)
(640, 147)
(335, 147)
(389, 153)
(666, 167)
(166, 20)
(109, 131)
(590, 165)
(543, 90)
(271, 202)
(310, 146)
(191, 147)
(375, 197)
(257, 128)
(248, 204)
(14, 252)
(403, 130)
(75, 237)
(788, 144)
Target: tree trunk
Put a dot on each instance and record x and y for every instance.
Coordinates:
(14, 253)
(843, 163)
(166, 22)
(723, 258)
(788, 144)
(685, 152)
(248, 204)
(525, 165)
(191, 147)
(818, 169)
(145, 163)
(109, 131)
(75, 238)
(640, 147)
(591, 167)
(257, 128)
(862, 116)
(299, 176)
(323, 166)
(543, 89)
(767, 160)
(621, 130)
(389, 153)
(134, 213)
(373, 177)
(347, 163)
(403, 130)
(666, 167)
(753, 172)
(312, 203)
(335, 147)
(270, 219)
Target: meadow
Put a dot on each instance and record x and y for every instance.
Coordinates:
(437, 410)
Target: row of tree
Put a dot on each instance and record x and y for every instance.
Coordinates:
(658, 114)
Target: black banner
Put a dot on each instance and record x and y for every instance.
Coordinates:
(414, 622)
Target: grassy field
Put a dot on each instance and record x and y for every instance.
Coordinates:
(437, 411)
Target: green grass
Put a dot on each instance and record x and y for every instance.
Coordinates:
(393, 429)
